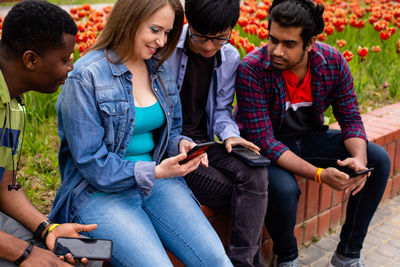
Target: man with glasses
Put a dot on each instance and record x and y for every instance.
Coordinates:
(204, 64)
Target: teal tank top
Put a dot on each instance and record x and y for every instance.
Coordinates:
(142, 142)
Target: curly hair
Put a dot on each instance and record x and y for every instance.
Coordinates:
(298, 13)
(35, 25)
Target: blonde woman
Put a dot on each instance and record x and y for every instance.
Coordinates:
(119, 113)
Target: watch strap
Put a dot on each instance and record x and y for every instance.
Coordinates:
(25, 254)
(40, 228)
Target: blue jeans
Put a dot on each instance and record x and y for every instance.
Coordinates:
(283, 194)
(141, 226)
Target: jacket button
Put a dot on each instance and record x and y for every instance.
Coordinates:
(122, 147)
(90, 191)
(155, 89)
(129, 91)
(183, 66)
(131, 120)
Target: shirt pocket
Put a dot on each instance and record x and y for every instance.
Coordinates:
(115, 116)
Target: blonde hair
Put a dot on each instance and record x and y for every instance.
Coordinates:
(125, 18)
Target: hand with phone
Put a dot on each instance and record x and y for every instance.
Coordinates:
(170, 167)
(239, 141)
(68, 230)
(358, 180)
(349, 174)
(192, 150)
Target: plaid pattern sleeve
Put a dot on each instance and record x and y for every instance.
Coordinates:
(345, 106)
(253, 109)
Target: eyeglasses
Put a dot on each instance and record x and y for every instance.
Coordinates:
(202, 38)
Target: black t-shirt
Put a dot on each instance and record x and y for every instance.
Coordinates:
(194, 94)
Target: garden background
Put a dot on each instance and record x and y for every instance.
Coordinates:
(366, 32)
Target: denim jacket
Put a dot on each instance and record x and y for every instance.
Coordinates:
(96, 119)
(222, 87)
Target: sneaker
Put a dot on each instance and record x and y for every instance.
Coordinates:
(293, 263)
(341, 261)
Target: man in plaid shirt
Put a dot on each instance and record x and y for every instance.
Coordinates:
(282, 91)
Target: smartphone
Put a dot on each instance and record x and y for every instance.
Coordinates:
(355, 174)
(197, 150)
(250, 157)
(92, 249)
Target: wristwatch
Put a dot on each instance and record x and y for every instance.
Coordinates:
(40, 228)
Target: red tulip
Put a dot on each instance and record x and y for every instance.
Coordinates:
(376, 48)
(384, 35)
(329, 29)
(262, 33)
(261, 14)
(322, 37)
(362, 51)
(348, 55)
(242, 21)
(341, 43)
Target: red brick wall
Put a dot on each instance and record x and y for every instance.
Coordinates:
(320, 207)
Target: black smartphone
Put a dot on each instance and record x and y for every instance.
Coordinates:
(355, 174)
(197, 150)
(92, 249)
(250, 157)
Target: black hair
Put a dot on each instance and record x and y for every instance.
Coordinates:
(212, 16)
(298, 13)
(35, 25)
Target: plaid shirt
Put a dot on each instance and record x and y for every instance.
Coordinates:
(261, 97)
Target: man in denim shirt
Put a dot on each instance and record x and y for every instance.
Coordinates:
(204, 64)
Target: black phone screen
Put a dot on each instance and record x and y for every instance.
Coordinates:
(248, 153)
(250, 157)
(92, 249)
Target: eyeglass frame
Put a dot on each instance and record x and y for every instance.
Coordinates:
(213, 39)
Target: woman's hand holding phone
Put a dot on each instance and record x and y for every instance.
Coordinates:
(170, 167)
(185, 146)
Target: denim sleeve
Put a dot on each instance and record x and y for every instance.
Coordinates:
(84, 133)
(224, 125)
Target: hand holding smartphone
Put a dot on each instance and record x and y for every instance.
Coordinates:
(331, 162)
(355, 174)
(92, 249)
(197, 150)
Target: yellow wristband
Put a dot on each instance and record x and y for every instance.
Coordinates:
(317, 175)
(51, 228)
